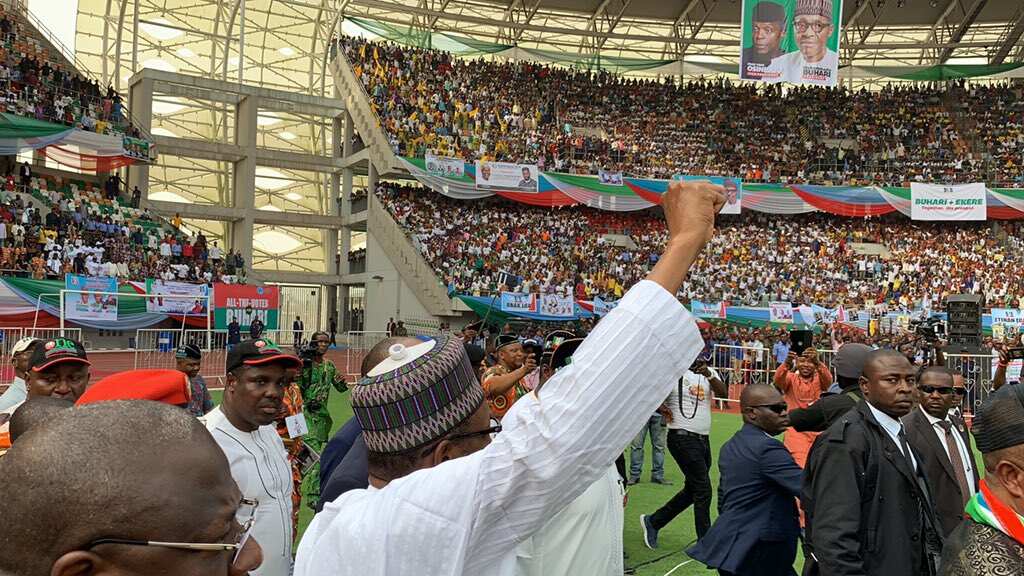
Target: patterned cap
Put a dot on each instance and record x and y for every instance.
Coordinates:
(999, 423)
(768, 12)
(189, 351)
(813, 8)
(420, 400)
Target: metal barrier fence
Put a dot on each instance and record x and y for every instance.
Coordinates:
(359, 343)
(155, 348)
(8, 336)
(977, 370)
(286, 338)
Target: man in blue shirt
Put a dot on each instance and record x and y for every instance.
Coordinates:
(781, 349)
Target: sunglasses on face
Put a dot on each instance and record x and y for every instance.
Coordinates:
(779, 408)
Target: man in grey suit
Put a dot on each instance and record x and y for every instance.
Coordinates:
(944, 444)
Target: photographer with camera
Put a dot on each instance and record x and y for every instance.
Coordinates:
(317, 378)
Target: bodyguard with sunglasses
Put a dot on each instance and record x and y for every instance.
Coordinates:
(942, 440)
(757, 526)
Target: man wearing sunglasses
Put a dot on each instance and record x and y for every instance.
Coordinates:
(757, 527)
(944, 444)
(122, 488)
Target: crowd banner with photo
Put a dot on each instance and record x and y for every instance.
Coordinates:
(602, 308)
(609, 178)
(184, 306)
(136, 148)
(557, 306)
(780, 312)
(445, 167)
(948, 202)
(245, 303)
(506, 176)
(87, 303)
(733, 190)
(517, 302)
(793, 41)
(707, 309)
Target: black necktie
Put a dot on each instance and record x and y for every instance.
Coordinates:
(906, 449)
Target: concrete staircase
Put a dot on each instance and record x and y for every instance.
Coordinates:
(351, 90)
(411, 265)
(420, 276)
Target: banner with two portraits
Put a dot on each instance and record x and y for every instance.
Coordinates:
(793, 41)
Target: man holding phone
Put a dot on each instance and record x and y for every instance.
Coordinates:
(503, 383)
(802, 379)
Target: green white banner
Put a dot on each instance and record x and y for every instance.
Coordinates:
(793, 41)
(947, 202)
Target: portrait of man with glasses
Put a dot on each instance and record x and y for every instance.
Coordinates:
(814, 62)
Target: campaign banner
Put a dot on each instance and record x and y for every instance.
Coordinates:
(557, 305)
(196, 306)
(444, 166)
(781, 312)
(948, 202)
(793, 41)
(518, 302)
(89, 304)
(707, 309)
(506, 176)
(136, 148)
(245, 303)
(1007, 316)
(602, 308)
(609, 178)
(733, 190)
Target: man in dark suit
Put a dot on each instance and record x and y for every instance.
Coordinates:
(867, 506)
(757, 527)
(944, 444)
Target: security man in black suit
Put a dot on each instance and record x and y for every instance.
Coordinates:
(944, 444)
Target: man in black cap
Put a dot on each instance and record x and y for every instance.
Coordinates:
(849, 365)
(188, 360)
(503, 383)
(990, 541)
(258, 372)
(866, 502)
(768, 26)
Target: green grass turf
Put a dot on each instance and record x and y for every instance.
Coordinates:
(644, 498)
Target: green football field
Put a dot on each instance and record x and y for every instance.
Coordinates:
(643, 498)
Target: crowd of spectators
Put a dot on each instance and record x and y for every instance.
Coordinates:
(49, 228)
(753, 259)
(581, 121)
(37, 86)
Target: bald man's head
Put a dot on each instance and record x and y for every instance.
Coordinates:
(133, 470)
(379, 353)
(33, 412)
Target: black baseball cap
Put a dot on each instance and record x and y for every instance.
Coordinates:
(49, 353)
(257, 352)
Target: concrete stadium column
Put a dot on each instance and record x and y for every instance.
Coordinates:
(342, 308)
(140, 105)
(346, 143)
(371, 179)
(243, 192)
(333, 205)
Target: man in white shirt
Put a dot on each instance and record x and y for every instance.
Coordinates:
(16, 392)
(944, 444)
(813, 63)
(689, 431)
(243, 426)
(446, 499)
(586, 536)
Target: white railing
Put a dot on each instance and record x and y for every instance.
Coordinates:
(10, 335)
(155, 349)
(358, 343)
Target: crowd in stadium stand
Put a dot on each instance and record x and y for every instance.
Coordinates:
(36, 86)
(571, 120)
(753, 259)
(50, 227)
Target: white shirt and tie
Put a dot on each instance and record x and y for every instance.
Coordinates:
(958, 439)
(894, 428)
(469, 515)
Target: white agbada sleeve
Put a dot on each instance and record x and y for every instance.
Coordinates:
(467, 515)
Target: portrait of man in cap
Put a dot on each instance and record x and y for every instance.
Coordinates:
(767, 28)
(814, 62)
